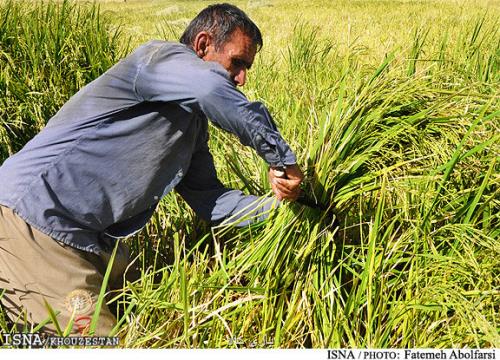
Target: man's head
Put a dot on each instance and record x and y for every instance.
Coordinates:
(223, 33)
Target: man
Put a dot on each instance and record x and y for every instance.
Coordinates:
(98, 169)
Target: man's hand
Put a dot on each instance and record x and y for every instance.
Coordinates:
(286, 182)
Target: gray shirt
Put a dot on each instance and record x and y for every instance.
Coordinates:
(103, 162)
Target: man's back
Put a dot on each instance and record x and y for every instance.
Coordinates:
(107, 155)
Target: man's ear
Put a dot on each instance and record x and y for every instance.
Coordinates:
(201, 43)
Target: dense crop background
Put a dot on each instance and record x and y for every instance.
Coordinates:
(392, 109)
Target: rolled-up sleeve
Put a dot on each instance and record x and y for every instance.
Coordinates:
(174, 73)
(213, 202)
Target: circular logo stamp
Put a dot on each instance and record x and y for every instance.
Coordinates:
(79, 301)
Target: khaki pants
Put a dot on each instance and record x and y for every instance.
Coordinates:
(35, 268)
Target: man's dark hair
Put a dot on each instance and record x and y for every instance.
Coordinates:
(220, 21)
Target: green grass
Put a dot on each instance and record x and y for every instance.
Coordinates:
(392, 108)
(47, 53)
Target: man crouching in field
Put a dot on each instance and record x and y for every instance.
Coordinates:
(97, 171)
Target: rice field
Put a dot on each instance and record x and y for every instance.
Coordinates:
(392, 110)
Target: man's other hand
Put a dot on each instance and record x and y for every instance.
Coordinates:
(286, 182)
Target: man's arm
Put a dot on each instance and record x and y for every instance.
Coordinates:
(213, 202)
(174, 73)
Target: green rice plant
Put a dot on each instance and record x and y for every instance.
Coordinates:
(400, 141)
(48, 51)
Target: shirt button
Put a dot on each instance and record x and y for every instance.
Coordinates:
(156, 197)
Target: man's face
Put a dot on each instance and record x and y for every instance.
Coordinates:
(236, 56)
